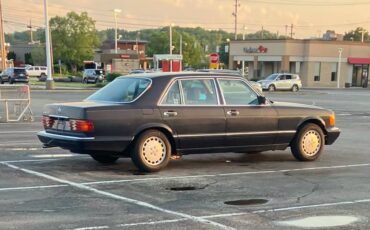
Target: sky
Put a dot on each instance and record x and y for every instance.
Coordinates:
(310, 18)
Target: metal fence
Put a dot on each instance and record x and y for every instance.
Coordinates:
(15, 103)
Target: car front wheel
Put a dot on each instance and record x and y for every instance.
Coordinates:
(104, 159)
(308, 143)
(271, 88)
(151, 151)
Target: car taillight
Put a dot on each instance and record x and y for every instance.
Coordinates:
(47, 122)
(84, 126)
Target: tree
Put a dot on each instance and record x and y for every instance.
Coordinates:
(356, 35)
(74, 38)
(11, 55)
(38, 55)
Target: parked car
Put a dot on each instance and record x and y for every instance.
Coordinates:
(93, 76)
(13, 75)
(150, 117)
(282, 81)
(36, 71)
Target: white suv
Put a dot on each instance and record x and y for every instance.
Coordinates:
(37, 71)
(282, 81)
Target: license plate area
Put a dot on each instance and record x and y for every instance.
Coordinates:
(61, 125)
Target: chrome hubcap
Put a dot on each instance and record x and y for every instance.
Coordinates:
(311, 142)
(154, 150)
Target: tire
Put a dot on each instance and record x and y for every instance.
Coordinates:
(1, 81)
(295, 88)
(151, 151)
(42, 75)
(271, 88)
(308, 143)
(85, 81)
(10, 81)
(104, 159)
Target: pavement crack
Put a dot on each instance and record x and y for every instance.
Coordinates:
(313, 190)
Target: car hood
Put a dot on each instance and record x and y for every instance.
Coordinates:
(295, 105)
(264, 81)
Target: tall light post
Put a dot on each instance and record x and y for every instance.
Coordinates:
(116, 11)
(49, 79)
(244, 31)
(340, 50)
(171, 25)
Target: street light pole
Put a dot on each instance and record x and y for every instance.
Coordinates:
(244, 30)
(171, 46)
(115, 11)
(340, 50)
(49, 79)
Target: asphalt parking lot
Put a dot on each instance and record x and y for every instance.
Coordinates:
(53, 189)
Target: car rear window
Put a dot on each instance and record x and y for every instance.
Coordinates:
(19, 70)
(122, 90)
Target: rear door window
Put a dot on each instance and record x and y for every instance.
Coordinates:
(199, 92)
(173, 96)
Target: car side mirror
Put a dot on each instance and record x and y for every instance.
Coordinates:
(261, 100)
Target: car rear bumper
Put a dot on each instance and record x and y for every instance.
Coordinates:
(332, 135)
(83, 144)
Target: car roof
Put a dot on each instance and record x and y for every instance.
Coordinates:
(181, 74)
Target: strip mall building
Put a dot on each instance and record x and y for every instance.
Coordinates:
(316, 61)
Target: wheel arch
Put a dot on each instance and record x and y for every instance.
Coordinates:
(312, 120)
(165, 129)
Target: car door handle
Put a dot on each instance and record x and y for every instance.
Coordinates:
(170, 114)
(233, 113)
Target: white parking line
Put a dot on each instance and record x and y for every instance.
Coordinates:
(32, 187)
(117, 197)
(54, 155)
(92, 228)
(228, 174)
(24, 161)
(18, 132)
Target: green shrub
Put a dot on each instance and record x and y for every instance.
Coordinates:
(111, 76)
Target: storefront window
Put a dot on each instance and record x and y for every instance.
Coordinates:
(317, 71)
(334, 70)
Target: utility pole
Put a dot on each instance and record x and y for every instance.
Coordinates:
(291, 31)
(262, 33)
(49, 79)
(286, 30)
(235, 14)
(2, 40)
(31, 34)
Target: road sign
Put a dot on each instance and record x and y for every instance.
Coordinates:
(214, 58)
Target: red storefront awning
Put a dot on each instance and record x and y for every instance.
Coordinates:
(352, 60)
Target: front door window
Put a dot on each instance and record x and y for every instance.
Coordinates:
(237, 92)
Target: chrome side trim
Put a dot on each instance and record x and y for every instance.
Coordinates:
(58, 117)
(64, 137)
(238, 134)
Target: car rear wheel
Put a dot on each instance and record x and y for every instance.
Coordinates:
(271, 88)
(295, 88)
(151, 151)
(104, 159)
(308, 143)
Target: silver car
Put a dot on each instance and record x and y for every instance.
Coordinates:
(281, 81)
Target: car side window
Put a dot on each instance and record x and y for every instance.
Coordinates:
(288, 77)
(199, 92)
(237, 92)
(173, 96)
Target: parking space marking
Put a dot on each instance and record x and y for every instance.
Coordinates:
(92, 228)
(32, 187)
(18, 132)
(117, 197)
(227, 174)
(54, 155)
(25, 161)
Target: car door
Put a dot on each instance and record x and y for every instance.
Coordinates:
(280, 82)
(248, 122)
(191, 108)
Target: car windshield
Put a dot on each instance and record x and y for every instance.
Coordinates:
(121, 90)
(271, 77)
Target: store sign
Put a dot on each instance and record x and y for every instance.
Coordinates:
(260, 49)
(126, 56)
